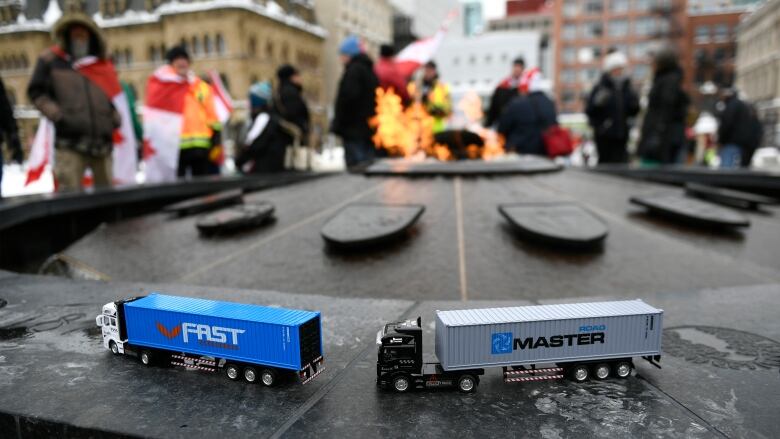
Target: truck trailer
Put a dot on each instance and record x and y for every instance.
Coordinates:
(578, 341)
(249, 341)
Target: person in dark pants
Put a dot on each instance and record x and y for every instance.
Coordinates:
(289, 103)
(739, 130)
(611, 104)
(527, 116)
(505, 92)
(663, 128)
(355, 104)
(8, 131)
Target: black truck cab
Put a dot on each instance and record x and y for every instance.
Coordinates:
(400, 363)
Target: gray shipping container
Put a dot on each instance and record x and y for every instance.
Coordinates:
(478, 338)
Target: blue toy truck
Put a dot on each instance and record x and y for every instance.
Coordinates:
(249, 341)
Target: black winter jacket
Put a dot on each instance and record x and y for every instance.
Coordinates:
(663, 128)
(524, 120)
(738, 125)
(290, 106)
(356, 100)
(609, 108)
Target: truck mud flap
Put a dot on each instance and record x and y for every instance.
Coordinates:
(311, 370)
(524, 375)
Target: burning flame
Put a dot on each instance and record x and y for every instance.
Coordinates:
(408, 132)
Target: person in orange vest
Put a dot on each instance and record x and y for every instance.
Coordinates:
(200, 121)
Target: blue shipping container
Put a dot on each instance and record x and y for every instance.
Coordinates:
(283, 338)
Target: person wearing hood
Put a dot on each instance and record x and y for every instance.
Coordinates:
(355, 103)
(388, 74)
(611, 105)
(527, 116)
(75, 100)
(663, 128)
(288, 100)
(262, 142)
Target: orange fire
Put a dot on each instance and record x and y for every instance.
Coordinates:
(408, 132)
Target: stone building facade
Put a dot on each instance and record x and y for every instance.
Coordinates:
(243, 40)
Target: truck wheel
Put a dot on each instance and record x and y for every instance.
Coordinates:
(467, 384)
(113, 347)
(146, 358)
(250, 375)
(623, 369)
(231, 371)
(268, 377)
(580, 373)
(601, 371)
(401, 383)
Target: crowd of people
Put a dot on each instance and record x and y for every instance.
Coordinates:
(73, 83)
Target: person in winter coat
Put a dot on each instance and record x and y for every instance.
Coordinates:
(505, 92)
(288, 100)
(739, 130)
(388, 74)
(83, 115)
(527, 116)
(611, 104)
(262, 142)
(8, 131)
(355, 103)
(663, 128)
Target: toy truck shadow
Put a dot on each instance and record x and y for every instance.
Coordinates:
(577, 341)
(245, 342)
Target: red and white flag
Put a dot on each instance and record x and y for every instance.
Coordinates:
(100, 72)
(223, 103)
(416, 54)
(163, 118)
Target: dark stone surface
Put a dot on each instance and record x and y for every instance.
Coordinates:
(237, 217)
(205, 203)
(556, 223)
(522, 165)
(729, 197)
(642, 255)
(362, 224)
(691, 211)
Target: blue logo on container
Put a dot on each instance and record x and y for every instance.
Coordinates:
(502, 343)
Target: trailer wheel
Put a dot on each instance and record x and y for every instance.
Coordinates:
(231, 371)
(623, 369)
(146, 358)
(601, 371)
(113, 347)
(250, 375)
(580, 373)
(467, 384)
(401, 383)
(268, 377)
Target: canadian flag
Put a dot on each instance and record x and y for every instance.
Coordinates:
(165, 93)
(413, 56)
(223, 103)
(100, 72)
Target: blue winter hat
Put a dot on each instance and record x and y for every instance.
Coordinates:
(350, 46)
(260, 94)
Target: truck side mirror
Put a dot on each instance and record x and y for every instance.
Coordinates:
(419, 322)
(99, 321)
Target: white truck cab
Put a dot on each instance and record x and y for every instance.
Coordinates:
(109, 323)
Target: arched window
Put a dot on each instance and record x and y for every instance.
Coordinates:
(153, 54)
(128, 57)
(285, 53)
(269, 49)
(25, 61)
(195, 46)
(221, 46)
(207, 45)
(162, 51)
(252, 47)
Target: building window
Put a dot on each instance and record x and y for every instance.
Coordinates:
(488, 58)
(618, 28)
(208, 47)
(128, 57)
(568, 76)
(702, 34)
(269, 49)
(640, 50)
(570, 8)
(568, 96)
(195, 46)
(221, 46)
(721, 32)
(569, 32)
(641, 72)
(594, 6)
(569, 55)
(592, 29)
(252, 47)
(154, 55)
(589, 75)
(618, 6)
(644, 26)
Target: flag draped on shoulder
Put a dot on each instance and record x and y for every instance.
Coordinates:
(413, 56)
(100, 72)
(163, 119)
